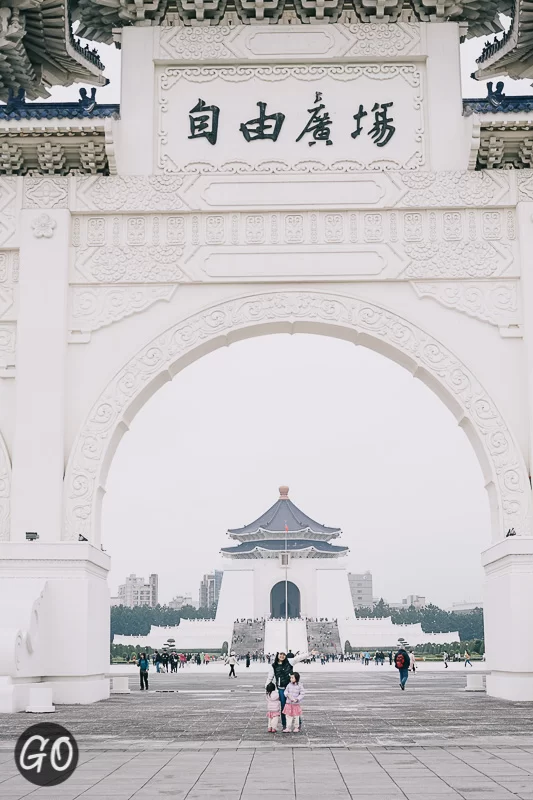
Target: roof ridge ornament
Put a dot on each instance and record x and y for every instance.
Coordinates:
(283, 492)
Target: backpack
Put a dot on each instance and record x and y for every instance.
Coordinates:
(399, 661)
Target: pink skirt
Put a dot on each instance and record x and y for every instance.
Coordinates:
(273, 714)
(292, 710)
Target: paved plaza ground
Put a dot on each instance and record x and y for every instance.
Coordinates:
(199, 735)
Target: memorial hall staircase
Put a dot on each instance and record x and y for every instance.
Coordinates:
(323, 636)
(248, 637)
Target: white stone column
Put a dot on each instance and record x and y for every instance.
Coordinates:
(135, 144)
(508, 605)
(508, 564)
(524, 213)
(38, 444)
(448, 130)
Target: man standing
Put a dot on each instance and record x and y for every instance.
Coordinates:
(144, 666)
(402, 663)
(445, 659)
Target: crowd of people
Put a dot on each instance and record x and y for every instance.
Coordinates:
(284, 688)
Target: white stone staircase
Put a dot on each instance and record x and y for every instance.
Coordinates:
(248, 637)
(324, 637)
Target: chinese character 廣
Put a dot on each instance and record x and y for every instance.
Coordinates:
(319, 124)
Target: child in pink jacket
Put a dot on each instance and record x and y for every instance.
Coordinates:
(294, 693)
(273, 707)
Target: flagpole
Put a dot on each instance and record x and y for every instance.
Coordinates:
(286, 593)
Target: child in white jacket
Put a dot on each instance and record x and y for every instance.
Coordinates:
(294, 693)
(273, 707)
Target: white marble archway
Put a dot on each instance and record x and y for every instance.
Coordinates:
(503, 466)
(5, 492)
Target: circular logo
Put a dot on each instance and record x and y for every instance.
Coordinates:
(46, 754)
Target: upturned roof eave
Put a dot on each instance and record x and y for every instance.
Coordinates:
(263, 533)
(509, 58)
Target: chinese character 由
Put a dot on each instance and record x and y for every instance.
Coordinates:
(319, 124)
(204, 122)
(266, 126)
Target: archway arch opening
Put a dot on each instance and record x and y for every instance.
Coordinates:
(282, 598)
(349, 319)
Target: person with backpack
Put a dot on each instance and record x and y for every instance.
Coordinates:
(144, 666)
(402, 663)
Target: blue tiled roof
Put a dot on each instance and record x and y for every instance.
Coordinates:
(281, 513)
(493, 105)
(58, 111)
(278, 545)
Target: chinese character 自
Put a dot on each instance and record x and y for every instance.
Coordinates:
(204, 122)
(318, 124)
(266, 126)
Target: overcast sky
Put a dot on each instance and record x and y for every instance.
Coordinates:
(361, 444)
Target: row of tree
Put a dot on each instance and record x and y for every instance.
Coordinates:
(137, 621)
(432, 618)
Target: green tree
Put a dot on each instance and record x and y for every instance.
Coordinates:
(432, 619)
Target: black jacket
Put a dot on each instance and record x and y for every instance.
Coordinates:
(407, 660)
(282, 673)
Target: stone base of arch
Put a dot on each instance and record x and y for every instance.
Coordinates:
(55, 622)
(507, 605)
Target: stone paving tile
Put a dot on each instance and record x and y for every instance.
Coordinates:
(368, 742)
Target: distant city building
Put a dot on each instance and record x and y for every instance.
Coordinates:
(182, 600)
(114, 601)
(465, 608)
(361, 589)
(414, 600)
(210, 589)
(136, 592)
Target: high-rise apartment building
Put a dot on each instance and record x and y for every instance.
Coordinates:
(136, 592)
(210, 589)
(361, 589)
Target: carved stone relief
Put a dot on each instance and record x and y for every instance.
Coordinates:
(46, 192)
(495, 302)
(130, 193)
(183, 44)
(345, 187)
(7, 348)
(43, 226)
(402, 245)
(93, 307)
(8, 194)
(9, 260)
(89, 459)
(143, 263)
(5, 492)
